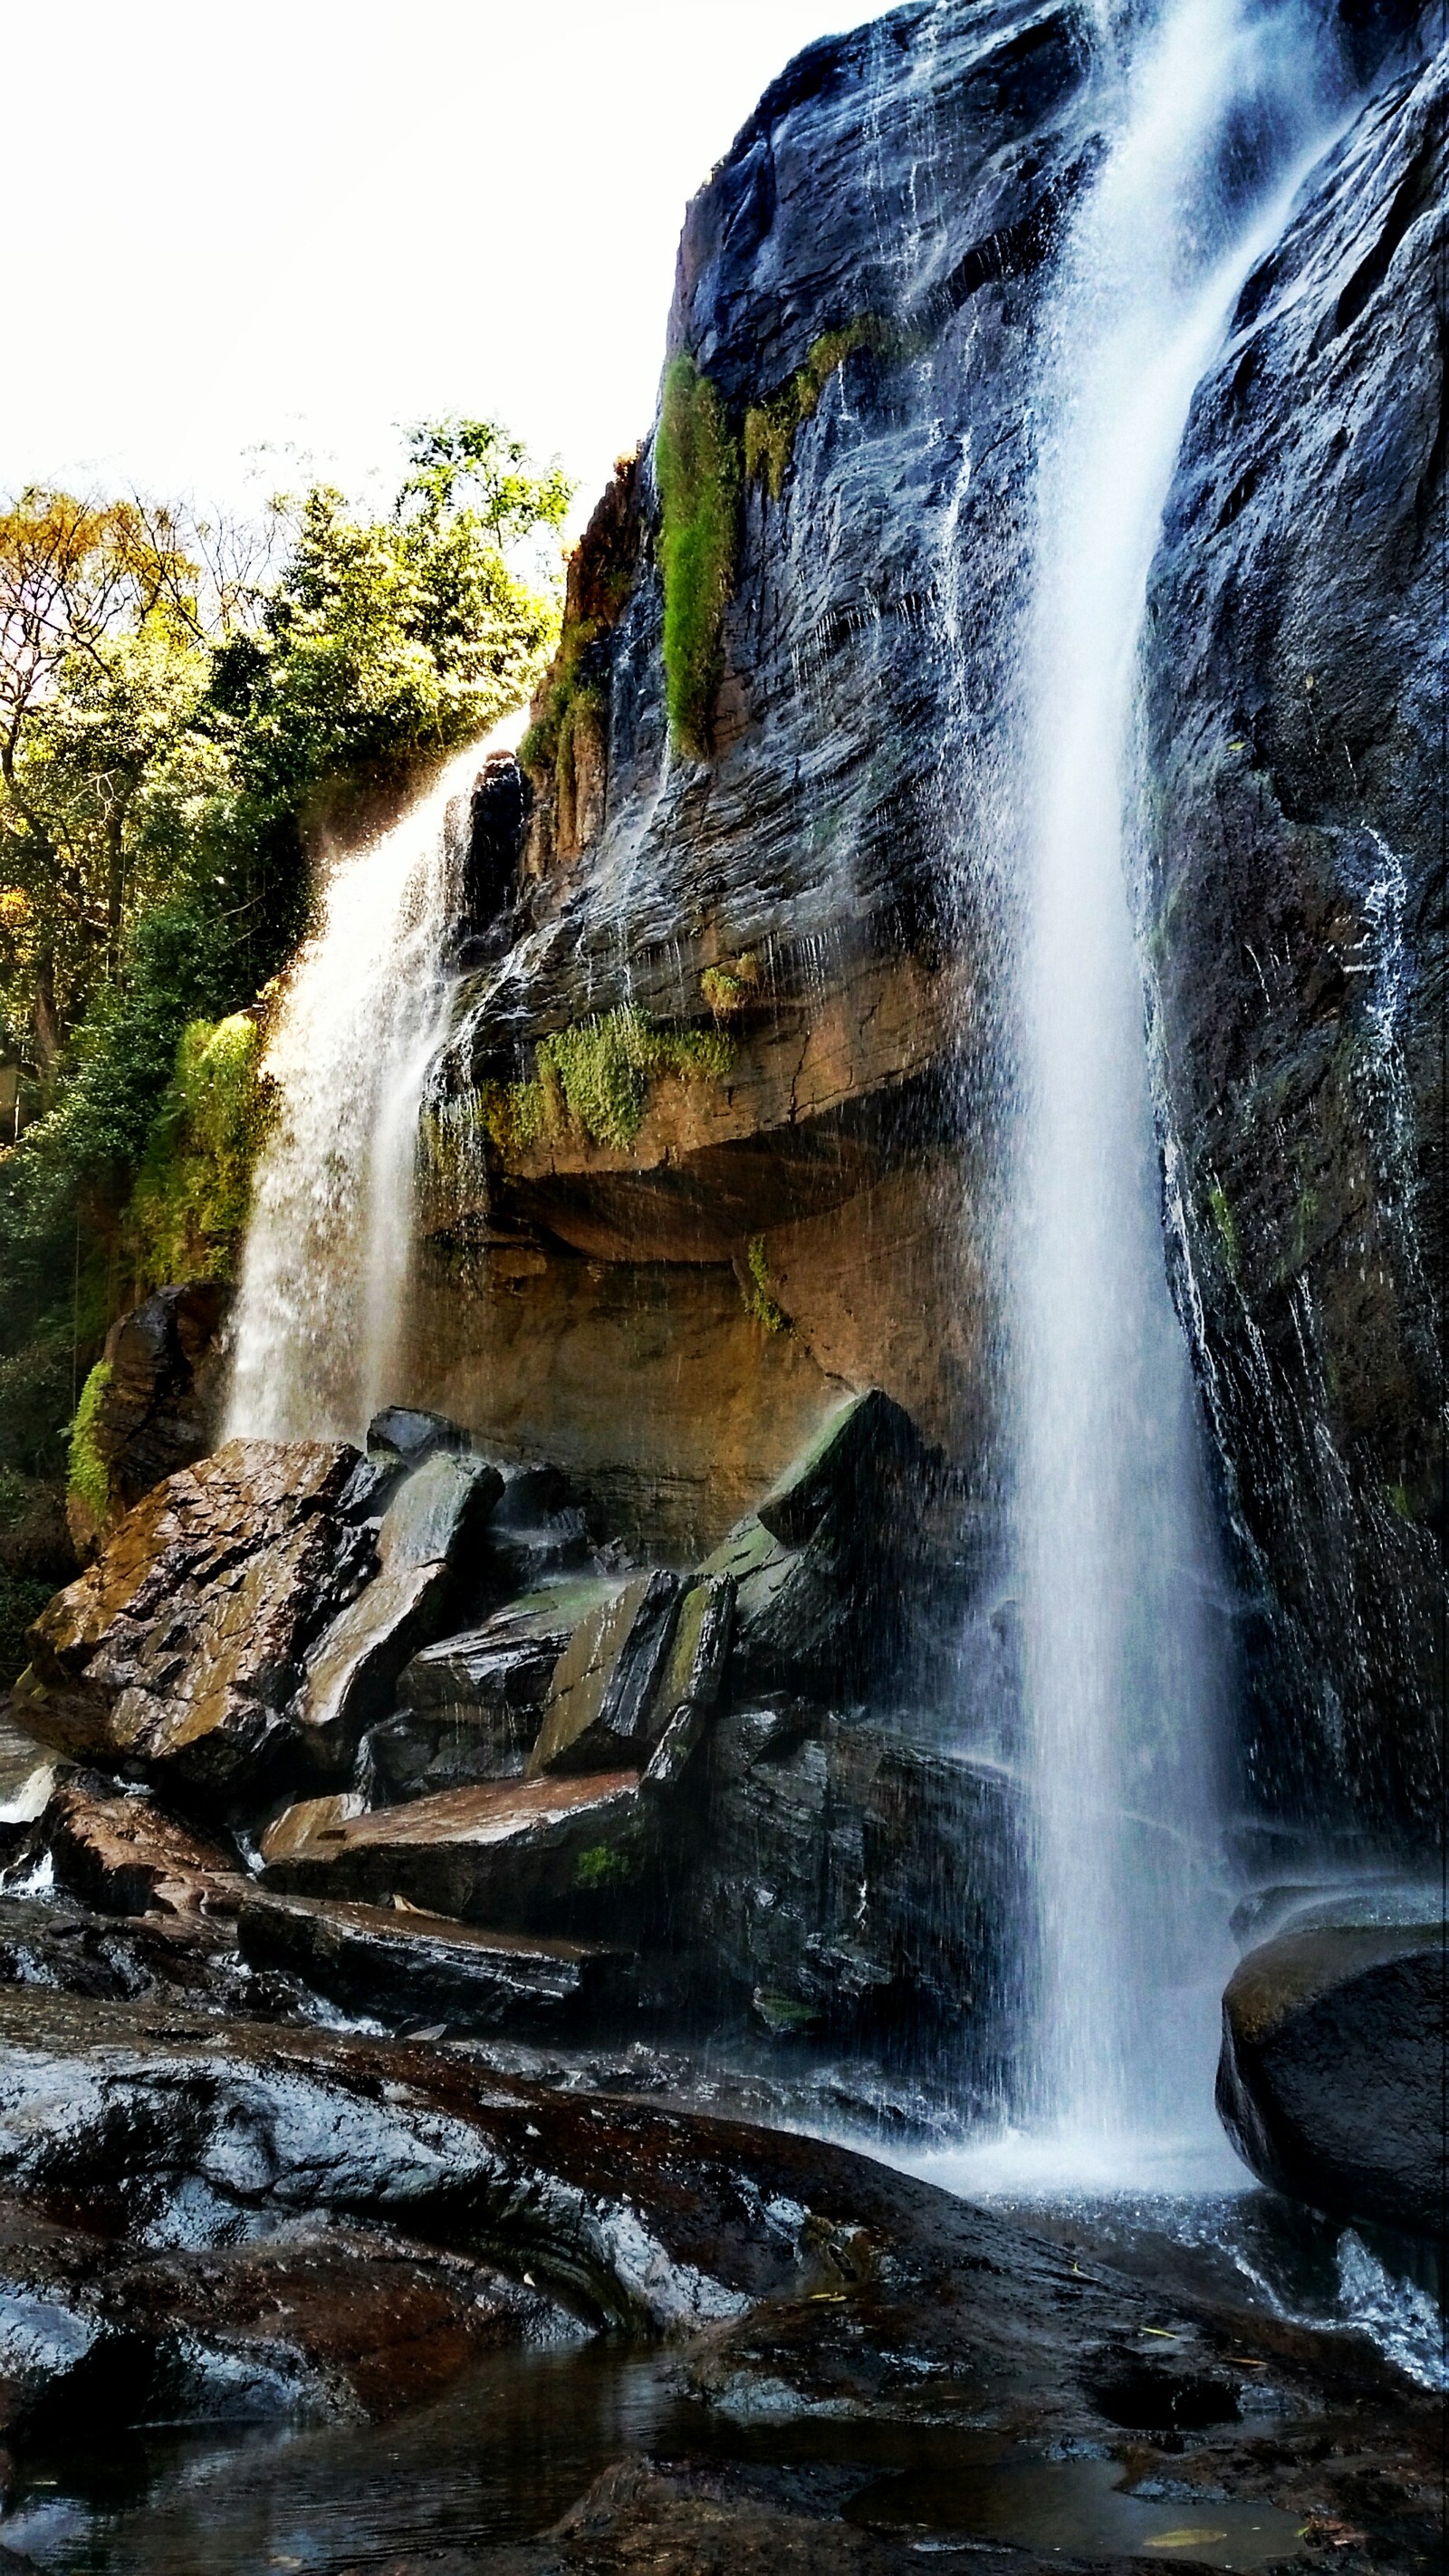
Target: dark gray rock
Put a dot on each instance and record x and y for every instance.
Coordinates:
(471, 1704)
(1294, 915)
(411, 1967)
(602, 1710)
(430, 1547)
(399, 1437)
(1331, 2082)
(845, 1569)
(161, 1407)
(852, 1881)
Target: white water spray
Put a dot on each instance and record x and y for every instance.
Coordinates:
(324, 1281)
(1118, 1659)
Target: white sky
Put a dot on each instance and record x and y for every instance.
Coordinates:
(299, 222)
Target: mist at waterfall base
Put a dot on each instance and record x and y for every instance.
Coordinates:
(1214, 109)
(364, 1011)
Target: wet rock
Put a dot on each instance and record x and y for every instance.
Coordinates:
(471, 1704)
(180, 1651)
(531, 1855)
(838, 1566)
(1295, 663)
(848, 1878)
(124, 1856)
(311, 1824)
(400, 1439)
(539, 1532)
(429, 1547)
(412, 1967)
(1331, 2081)
(603, 1695)
(345, 2323)
(163, 1401)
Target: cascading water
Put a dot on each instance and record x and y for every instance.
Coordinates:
(1214, 101)
(323, 1287)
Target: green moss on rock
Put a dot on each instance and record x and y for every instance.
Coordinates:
(193, 1194)
(697, 469)
(89, 1480)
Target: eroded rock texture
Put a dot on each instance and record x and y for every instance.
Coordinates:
(1296, 669)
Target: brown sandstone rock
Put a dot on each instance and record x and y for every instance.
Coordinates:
(536, 1855)
(180, 1650)
(159, 1409)
(123, 1856)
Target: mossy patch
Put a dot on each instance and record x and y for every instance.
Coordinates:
(1224, 1220)
(757, 1290)
(600, 1866)
(730, 986)
(192, 1197)
(697, 469)
(90, 1478)
(594, 1079)
(771, 426)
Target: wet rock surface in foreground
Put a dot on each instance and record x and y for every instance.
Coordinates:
(211, 2222)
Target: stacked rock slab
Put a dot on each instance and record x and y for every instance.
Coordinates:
(180, 1652)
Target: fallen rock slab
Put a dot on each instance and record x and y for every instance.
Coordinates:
(432, 1532)
(1331, 2079)
(124, 1856)
(523, 1855)
(602, 1697)
(179, 1653)
(416, 1967)
(342, 2322)
(471, 1704)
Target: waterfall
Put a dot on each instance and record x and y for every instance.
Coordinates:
(325, 1274)
(1210, 103)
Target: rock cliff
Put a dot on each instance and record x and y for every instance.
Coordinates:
(719, 1125)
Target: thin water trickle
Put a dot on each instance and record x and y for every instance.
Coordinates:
(325, 1275)
(1213, 106)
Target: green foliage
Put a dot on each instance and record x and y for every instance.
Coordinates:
(760, 1302)
(595, 1078)
(730, 986)
(90, 1478)
(1226, 1223)
(697, 468)
(771, 426)
(176, 707)
(22, 1599)
(601, 1867)
(193, 1191)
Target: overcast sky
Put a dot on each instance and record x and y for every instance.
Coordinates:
(301, 222)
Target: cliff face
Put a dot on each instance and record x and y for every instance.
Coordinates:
(1296, 656)
(880, 220)
(717, 1129)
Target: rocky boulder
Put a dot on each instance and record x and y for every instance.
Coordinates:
(124, 1856)
(411, 1968)
(471, 1705)
(602, 1698)
(430, 1547)
(574, 1856)
(161, 1402)
(1331, 2081)
(179, 1654)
